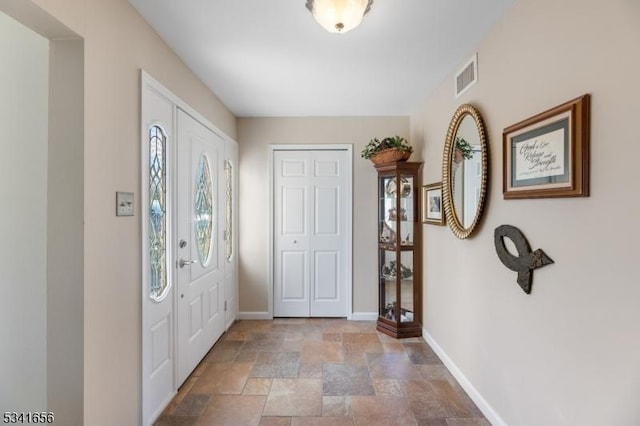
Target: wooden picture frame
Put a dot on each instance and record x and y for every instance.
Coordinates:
(432, 211)
(547, 155)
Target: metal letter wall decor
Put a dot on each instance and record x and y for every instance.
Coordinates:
(526, 261)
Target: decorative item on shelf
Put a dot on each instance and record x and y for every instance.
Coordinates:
(407, 241)
(390, 271)
(387, 235)
(406, 315)
(393, 215)
(526, 260)
(392, 188)
(387, 150)
(391, 310)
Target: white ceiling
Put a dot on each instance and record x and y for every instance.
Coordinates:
(269, 58)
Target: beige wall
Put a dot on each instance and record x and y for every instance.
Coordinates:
(117, 43)
(254, 137)
(567, 354)
(65, 247)
(24, 85)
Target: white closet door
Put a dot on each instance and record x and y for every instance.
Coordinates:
(310, 214)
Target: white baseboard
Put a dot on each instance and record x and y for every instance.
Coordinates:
(473, 393)
(254, 316)
(364, 316)
(356, 316)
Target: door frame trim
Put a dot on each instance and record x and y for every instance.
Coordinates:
(349, 222)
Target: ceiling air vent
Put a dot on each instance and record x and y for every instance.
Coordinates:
(467, 76)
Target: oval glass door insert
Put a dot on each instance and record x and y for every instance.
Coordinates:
(203, 209)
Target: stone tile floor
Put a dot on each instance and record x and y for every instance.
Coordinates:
(299, 372)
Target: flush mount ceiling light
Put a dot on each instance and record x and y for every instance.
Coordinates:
(339, 16)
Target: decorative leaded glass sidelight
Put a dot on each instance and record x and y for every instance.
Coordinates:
(228, 172)
(203, 210)
(157, 213)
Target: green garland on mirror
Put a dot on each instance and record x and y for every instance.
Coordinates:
(464, 147)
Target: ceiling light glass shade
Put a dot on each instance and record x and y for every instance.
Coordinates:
(339, 16)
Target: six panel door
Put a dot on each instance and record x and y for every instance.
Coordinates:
(310, 244)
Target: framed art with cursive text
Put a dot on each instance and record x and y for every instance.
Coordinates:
(547, 155)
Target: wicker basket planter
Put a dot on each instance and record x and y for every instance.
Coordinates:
(389, 155)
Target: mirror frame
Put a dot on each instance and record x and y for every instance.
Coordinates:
(447, 198)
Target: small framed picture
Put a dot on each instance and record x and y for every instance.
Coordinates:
(432, 204)
(547, 155)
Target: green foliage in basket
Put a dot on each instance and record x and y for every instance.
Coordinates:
(375, 145)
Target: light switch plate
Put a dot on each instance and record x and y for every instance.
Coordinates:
(124, 203)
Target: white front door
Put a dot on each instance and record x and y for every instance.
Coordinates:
(157, 291)
(311, 204)
(199, 252)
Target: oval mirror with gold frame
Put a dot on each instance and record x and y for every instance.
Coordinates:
(464, 171)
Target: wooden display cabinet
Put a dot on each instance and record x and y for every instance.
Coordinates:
(399, 249)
